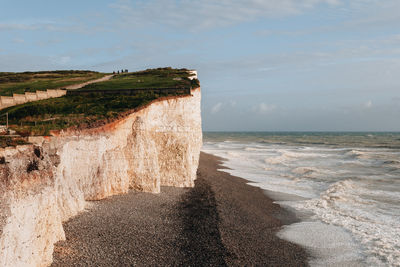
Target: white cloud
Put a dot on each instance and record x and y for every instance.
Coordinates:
(266, 69)
(19, 41)
(195, 15)
(17, 26)
(263, 108)
(65, 60)
(78, 25)
(26, 62)
(29, 25)
(216, 108)
(368, 104)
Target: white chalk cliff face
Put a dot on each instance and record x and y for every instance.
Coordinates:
(44, 184)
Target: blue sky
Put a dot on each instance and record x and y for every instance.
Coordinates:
(264, 65)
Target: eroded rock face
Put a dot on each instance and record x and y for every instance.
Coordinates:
(30, 220)
(45, 184)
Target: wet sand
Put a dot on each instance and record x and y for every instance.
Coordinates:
(221, 221)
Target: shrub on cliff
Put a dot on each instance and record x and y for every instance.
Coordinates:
(38, 118)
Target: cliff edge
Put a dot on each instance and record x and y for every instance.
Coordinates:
(52, 180)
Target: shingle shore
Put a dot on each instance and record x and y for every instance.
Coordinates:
(221, 221)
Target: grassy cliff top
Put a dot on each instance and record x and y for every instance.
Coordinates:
(39, 117)
(20, 82)
(151, 78)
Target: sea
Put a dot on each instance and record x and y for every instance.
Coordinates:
(344, 188)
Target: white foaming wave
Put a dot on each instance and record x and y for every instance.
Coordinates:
(284, 157)
(286, 186)
(342, 205)
(393, 195)
(257, 149)
(304, 170)
(228, 145)
(287, 156)
(232, 154)
(275, 160)
(291, 153)
(370, 214)
(254, 146)
(222, 145)
(361, 154)
(315, 173)
(240, 164)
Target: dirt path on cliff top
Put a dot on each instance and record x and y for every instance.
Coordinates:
(221, 221)
(80, 85)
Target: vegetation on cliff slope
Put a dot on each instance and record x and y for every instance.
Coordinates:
(38, 118)
(93, 109)
(18, 83)
(6, 141)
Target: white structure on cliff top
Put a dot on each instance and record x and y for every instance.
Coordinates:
(193, 74)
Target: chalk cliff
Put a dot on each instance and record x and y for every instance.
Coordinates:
(44, 184)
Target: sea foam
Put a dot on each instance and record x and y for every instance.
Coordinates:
(351, 186)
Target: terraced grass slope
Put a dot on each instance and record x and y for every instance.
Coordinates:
(18, 83)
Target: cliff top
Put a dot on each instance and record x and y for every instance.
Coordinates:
(95, 108)
(20, 82)
(150, 78)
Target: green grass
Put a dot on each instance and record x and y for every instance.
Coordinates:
(152, 78)
(19, 83)
(91, 110)
(38, 118)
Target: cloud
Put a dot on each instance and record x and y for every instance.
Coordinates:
(17, 26)
(27, 62)
(216, 108)
(64, 60)
(196, 15)
(19, 41)
(368, 104)
(32, 25)
(263, 108)
(375, 12)
(77, 25)
(48, 42)
(396, 99)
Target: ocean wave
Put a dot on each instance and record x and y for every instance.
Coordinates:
(282, 159)
(232, 154)
(391, 162)
(351, 187)
(274, 160)
(341, 204)
(304, 170)
(286, 156)
(356, 153)
(256, 149)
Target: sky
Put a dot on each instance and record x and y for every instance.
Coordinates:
(264, 65)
